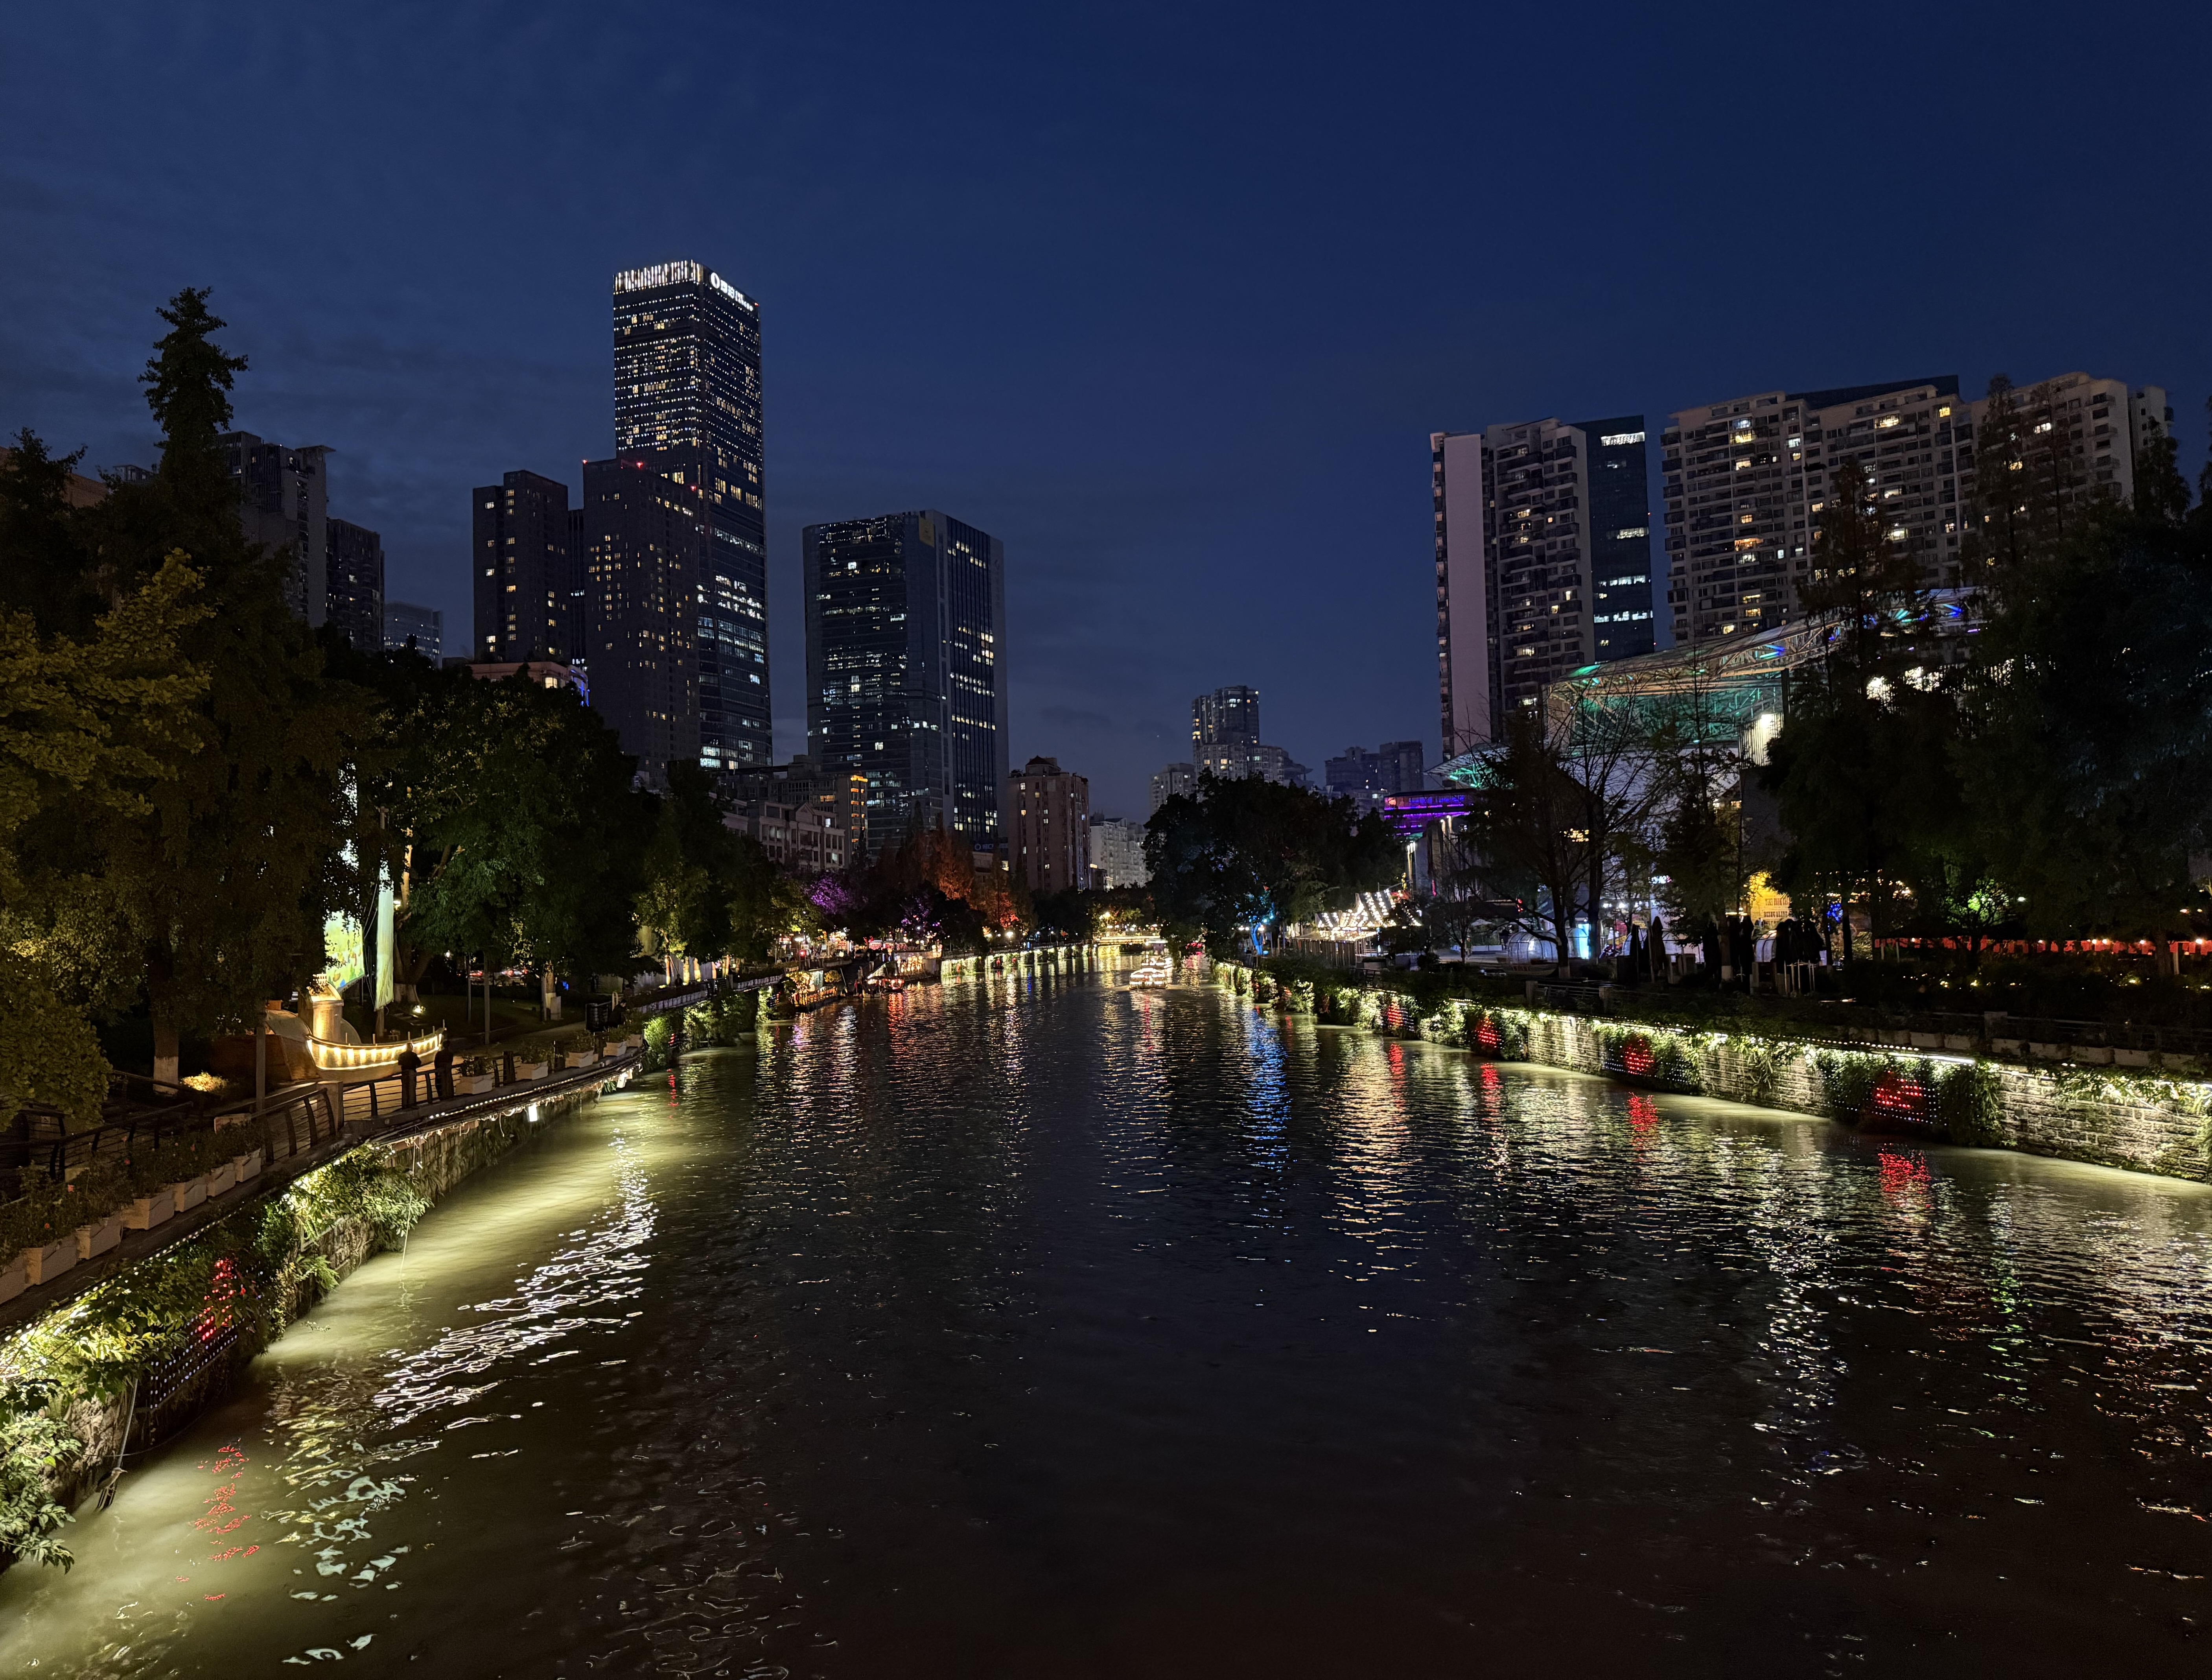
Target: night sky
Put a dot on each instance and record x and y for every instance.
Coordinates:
(1169, 298)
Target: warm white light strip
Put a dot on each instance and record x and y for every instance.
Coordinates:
(349, 1058)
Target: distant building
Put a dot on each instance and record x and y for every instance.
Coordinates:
(1368, 778)
(1227, 718)
(1174, 781)
(353, 583)
(1117, 853)
(644, 535)
(1543, 555)
(542, 673)
(842, 793)
(1050, 812)
(404, 621)
(2090, 432)
(906, 672)
(523, 571)
(79, 492)
(1225, 739)
(804, 839)
(284, 504)
(1236, 761)
(688, 400)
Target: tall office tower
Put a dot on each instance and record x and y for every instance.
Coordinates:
(1746, 482)
(2076, 437)
(1049, 812)
(1173, 782)
(353, 582)
(646, 537)
(284, 503)
(1543, 548)
(688, 395)
(424, 626)
(906, 671)
(524, 568)
(1226, 718)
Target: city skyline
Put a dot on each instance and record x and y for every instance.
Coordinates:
(1210, 475)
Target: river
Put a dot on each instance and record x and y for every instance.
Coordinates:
(1039, 1327)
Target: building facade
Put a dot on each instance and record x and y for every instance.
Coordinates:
(1368, 778)
(805, 840)
(353, 582)
(284, 504)
(525, 570)
(1543, 558)
(2076, 438)
(644, 540)
(425, 626)
(1117, 854)
(1227, 718)
(906, 675)
(841, 794)
(1050, 838)
(688, 398)
(1173, 782)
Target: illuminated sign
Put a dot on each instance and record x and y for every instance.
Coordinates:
(679, 274)
(1614, 440)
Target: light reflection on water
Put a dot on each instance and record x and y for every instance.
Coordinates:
(1038, 1325)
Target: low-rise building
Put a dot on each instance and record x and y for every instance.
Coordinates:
(805, 840)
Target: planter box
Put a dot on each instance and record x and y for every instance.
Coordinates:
(189, 1194)
(43, 1262)
(529, 1070)
(248, 1166)
(582, 1059)
(473, 1085)
(148, 1211)
(2132, 1058)
(14, 1279)
(221, 1180)
(99, 1237)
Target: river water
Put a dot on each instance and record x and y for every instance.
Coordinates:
(1040, 1327)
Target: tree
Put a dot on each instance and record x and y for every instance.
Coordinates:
(89, 726)
(1248, 853)
(1525, 842)
(236, 862)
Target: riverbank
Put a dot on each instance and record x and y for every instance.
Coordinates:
(132, 1356)
(2147, 1121)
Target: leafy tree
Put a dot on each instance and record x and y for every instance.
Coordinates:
(236, 862)
(1249, 853)
(1525, 842)
(89, 726)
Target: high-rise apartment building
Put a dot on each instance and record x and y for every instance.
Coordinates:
(353, 582)
(1049, 814)
(905, 673)
(2076, 438)
(688, 398)
(1173, 782)
(1117, 854)
(1227, 718)
(285, 503)
(404, 621)
(525, 570)
(1543, 554)
(644, 540)
(1746, 481)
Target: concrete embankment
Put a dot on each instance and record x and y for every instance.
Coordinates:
(2143, 1121)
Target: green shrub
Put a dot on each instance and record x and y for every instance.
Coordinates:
(35, 1452)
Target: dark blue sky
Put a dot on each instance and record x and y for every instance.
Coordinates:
(1169, 298)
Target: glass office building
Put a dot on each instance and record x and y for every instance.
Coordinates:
(688, 397)
(906, 670)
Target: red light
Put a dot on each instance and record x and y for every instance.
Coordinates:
(1635, 1056)
(1486, 1035)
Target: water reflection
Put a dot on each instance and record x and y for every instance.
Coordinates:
(1036, 1325)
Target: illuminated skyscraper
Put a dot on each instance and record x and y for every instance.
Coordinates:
(644, 536)
(525, 570)
(688, 400)
(906, 673)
